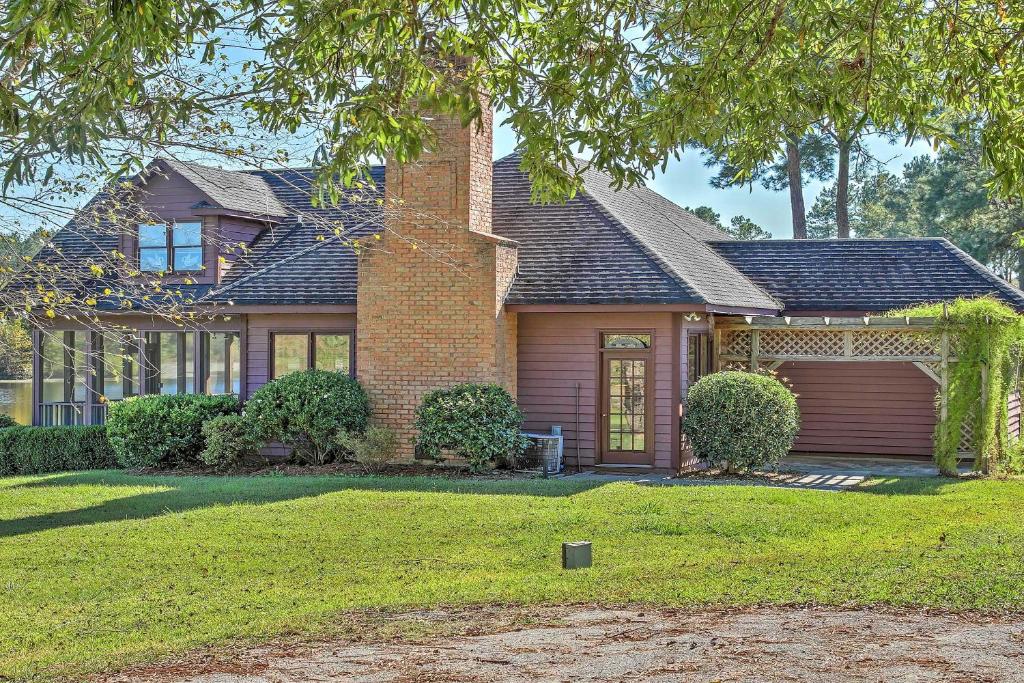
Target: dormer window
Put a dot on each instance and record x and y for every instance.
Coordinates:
(176, 247)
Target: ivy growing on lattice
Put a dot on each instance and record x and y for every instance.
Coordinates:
(985, 336)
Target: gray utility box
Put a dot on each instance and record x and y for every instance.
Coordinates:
(544, 453)
(576, 555)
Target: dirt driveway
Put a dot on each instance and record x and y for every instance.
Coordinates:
(634, 644)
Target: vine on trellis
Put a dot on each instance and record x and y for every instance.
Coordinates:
(985, 336)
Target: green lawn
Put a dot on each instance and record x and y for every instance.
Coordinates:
(102, 569)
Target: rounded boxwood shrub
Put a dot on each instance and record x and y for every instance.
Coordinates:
(35, 450)
(308, 410)
(163, 431)
(478, 422)
(230, 439)
(741, 419)
(7, 421)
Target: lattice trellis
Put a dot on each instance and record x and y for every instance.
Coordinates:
(735, 343)
(884, 343)
(966, 436)
(801, 343)
(934, 366)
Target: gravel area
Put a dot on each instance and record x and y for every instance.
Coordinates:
(586, 643)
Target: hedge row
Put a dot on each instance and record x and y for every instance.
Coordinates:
(164, 431)
(37, 450)
(323, 416)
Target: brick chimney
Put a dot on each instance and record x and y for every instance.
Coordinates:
(431, 290)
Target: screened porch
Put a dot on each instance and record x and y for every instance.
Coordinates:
(77, 374)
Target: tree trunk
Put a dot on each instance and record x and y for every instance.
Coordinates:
(796, 188)
(1020, 268)
(843, 189)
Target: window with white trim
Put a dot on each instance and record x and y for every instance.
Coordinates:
(171, 247)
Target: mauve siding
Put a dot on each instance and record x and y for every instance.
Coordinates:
(170, 198)
(557, 350)
(869, 408)
(235, 231)
(261, 325)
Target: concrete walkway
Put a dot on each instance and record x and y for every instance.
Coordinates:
(817, 472)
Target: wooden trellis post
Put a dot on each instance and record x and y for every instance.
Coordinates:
(755, 348)
(716, 343)
(985, 464)
(944, 377)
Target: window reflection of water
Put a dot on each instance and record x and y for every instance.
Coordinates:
(16, 399)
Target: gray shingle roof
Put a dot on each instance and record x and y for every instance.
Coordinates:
(601, 247)
(576, 252)
(289, 264)
(677, 240)
(864, 274)
(238, 191)
(630, 246)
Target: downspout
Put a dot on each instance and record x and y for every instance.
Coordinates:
(579, 468)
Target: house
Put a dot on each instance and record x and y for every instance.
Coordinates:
(596, 313)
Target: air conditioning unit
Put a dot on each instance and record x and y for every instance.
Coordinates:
(544, 453)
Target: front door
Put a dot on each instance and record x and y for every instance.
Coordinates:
(627, 428)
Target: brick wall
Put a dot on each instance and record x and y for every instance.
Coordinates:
(430, 291)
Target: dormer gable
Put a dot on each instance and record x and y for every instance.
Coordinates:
(196, 220)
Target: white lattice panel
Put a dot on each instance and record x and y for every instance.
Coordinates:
(885, 343)
(736, 343)
(801, 343)
(934, 366)
(966, 436)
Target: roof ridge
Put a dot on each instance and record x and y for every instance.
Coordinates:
(204, 179)
(654, 256)
(977, 266)
(661, 261)
(706, 247)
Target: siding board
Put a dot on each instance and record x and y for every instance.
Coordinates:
(557, 350)
(261, 325)
(870, 408)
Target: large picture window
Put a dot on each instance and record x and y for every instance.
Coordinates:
(220, 363)
(64, 378)
(82, 371)
(116, 369)
(303, 350)
(168, 362)
(176, 247)
(63, 367)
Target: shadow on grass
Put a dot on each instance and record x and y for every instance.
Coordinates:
(909, 486)
(192, 493)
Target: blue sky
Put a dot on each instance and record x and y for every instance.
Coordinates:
(686, 183)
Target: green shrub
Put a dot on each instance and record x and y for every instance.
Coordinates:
(163, 431)
(308, 410)
(373, 450)
(35, 450)
(742, 419)
(230, 439)
(479, 422)
(7, 421)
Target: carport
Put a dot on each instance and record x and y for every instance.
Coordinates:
(866, 386)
